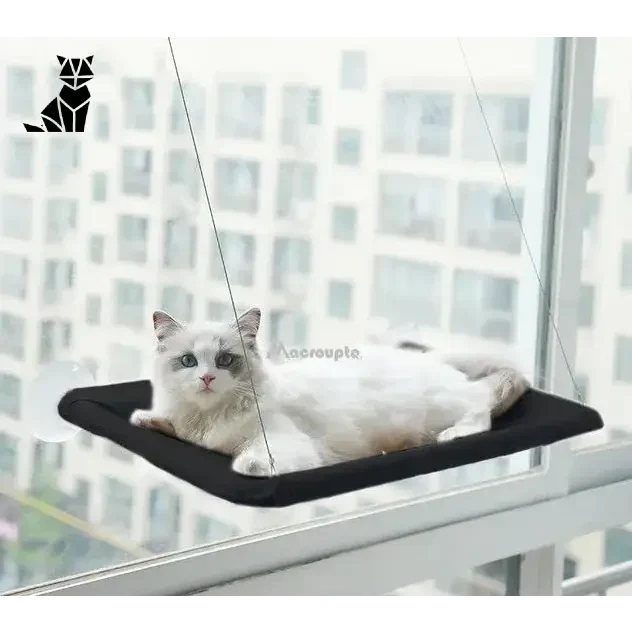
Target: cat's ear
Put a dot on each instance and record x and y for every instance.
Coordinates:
(249, 322)
(165, 325)
(89, 59)
(61, 60)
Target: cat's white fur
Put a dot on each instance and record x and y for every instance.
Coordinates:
(316, 411)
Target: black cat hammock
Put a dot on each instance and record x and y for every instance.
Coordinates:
(537, 419)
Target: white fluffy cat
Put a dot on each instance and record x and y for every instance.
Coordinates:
(315, 411)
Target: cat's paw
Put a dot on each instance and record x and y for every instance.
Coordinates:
(481, 424)
(140, 417)
(447, 435)
(149, 419)
(250, 465)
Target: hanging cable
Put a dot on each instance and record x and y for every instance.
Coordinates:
(221, 254)
(517, 214)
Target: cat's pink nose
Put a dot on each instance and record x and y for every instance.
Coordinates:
(207, 379)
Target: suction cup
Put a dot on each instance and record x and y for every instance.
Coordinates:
(43, 395)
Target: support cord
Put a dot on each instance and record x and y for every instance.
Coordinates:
(221, 254)
(515, 210)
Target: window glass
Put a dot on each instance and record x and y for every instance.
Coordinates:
(349, 196)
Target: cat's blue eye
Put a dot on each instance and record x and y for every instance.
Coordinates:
(188, 360)
(224, 359)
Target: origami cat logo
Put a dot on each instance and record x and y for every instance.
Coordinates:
(67, 112)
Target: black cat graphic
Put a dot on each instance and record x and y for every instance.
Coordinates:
(67, 112)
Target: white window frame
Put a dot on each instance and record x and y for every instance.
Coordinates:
(610, 462)
(541, 570)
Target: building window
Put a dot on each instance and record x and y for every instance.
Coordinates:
(237, 184)
(132, 238)
(102, 121)
(484, 305)
(80, 502)
(301, 107)
(12, 330)
(238, 250)
(61, 219)
(63, 159)
(296, 185)
(14, 271)
(97, 249)
(163, 519)
(125, 363)
(287, 328)
(16, 217)
(59, 279)
(508, 121)
(623, 359)
(195, 98)
(117, 452)
(137, 166)
(176, 301)
(130, 304)
(118, 502)
(55, 336)
(406, 292)
(617, 546)
(348, 147)
(48, 459)
(344, 223)
(8, 456)
(208, 530)
(418, 123)
(183, 172)
(20, 91)
(180, 244)
(340, 299)
(47, 340)
(586, 307)
(10, 395)
(353, 70)
(291, 263)
(240, 111)
(412, 206)
(93, 309)
(18, 159)
(487, 218)
(99, 186)
(626, 265)
(138, 104)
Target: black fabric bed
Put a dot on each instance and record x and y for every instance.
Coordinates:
(537, 419)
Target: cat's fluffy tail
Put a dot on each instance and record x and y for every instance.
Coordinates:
(506, 380)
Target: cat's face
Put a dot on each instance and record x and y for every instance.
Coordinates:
(202, 366)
